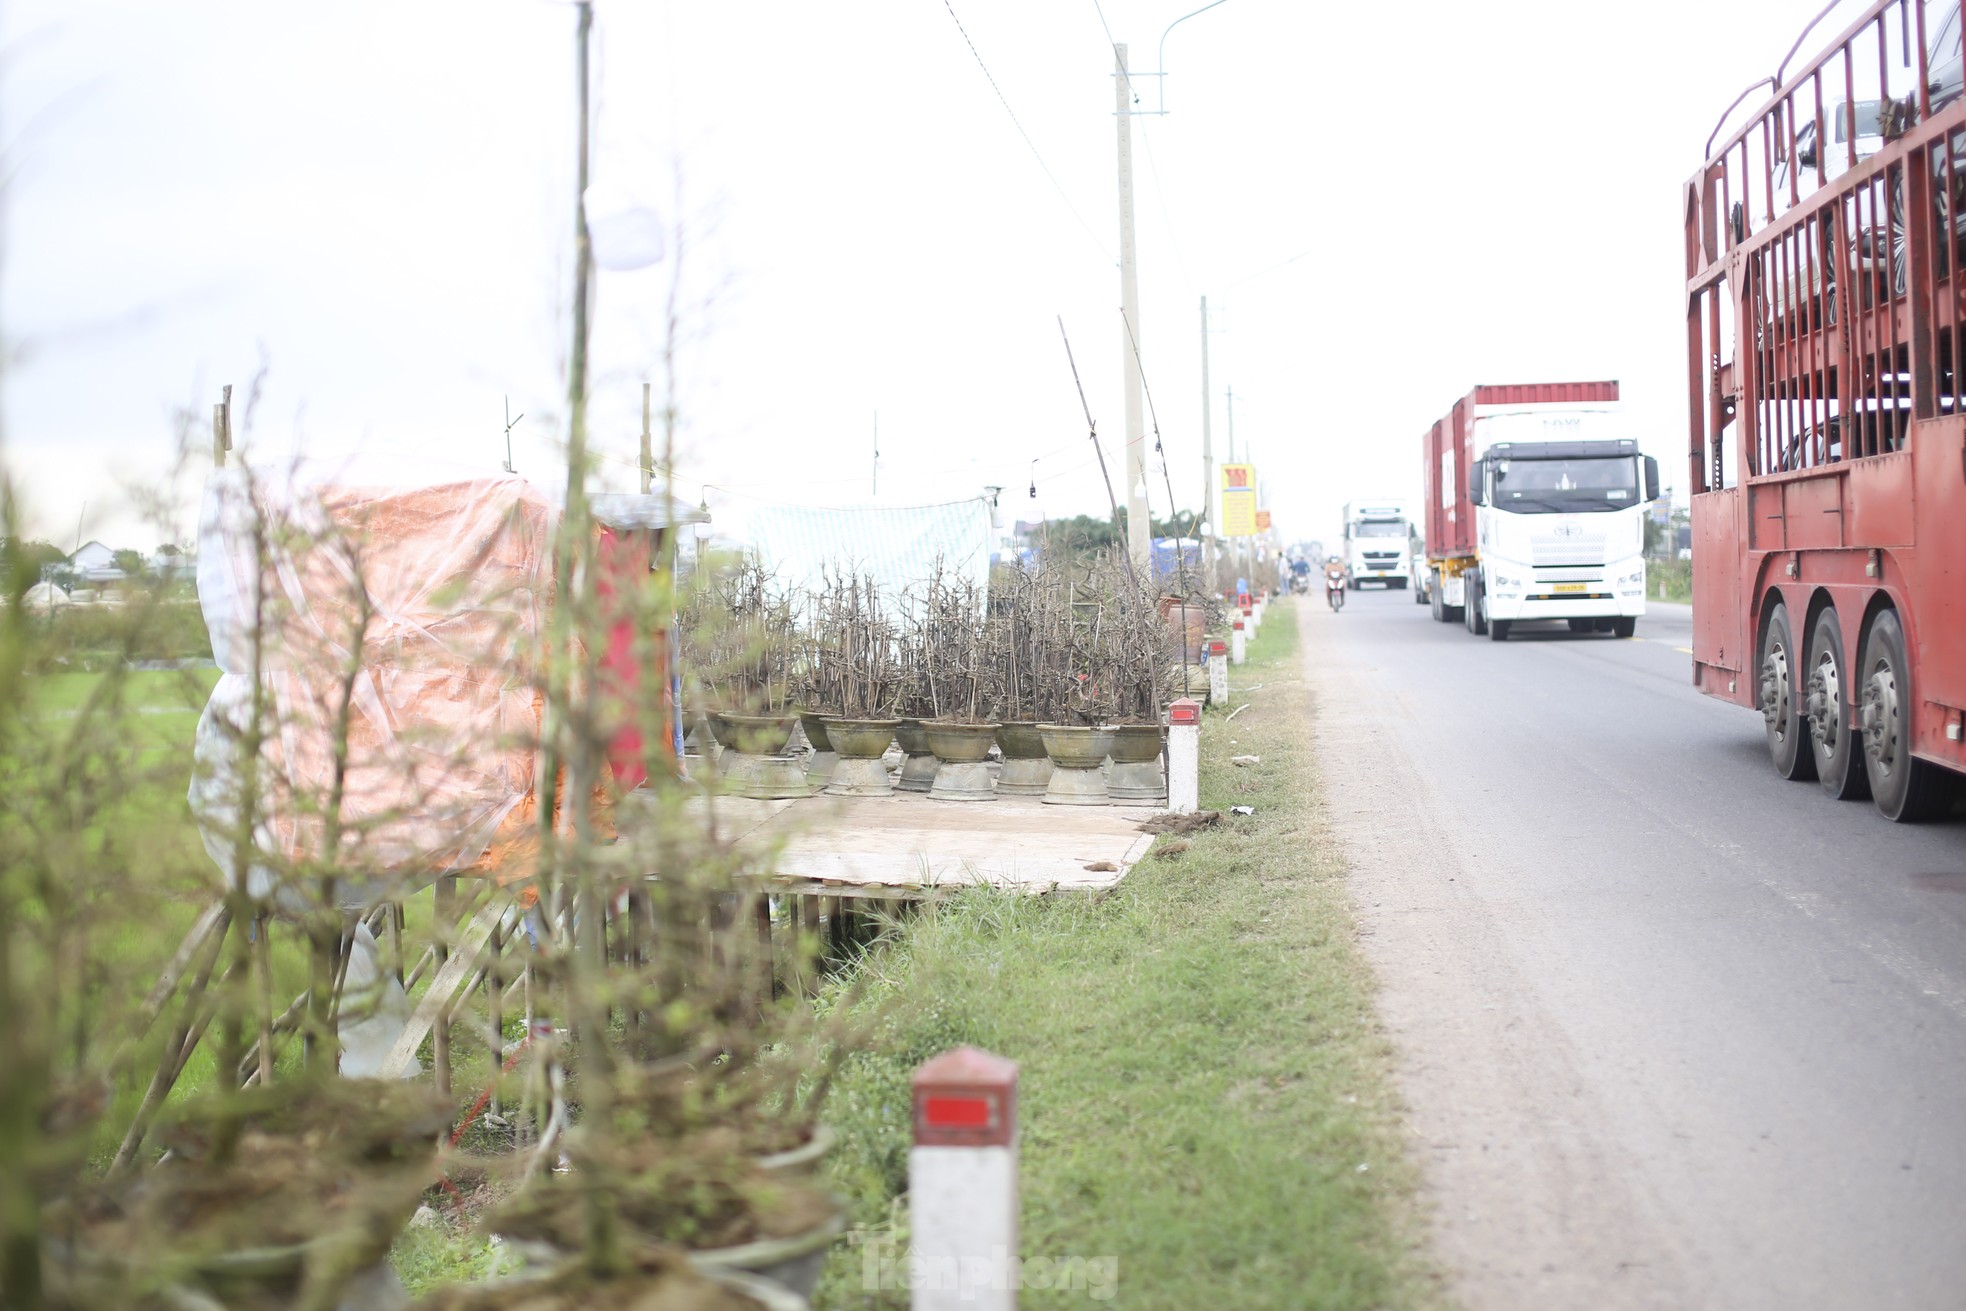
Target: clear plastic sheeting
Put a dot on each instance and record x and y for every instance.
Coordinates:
(408, 612)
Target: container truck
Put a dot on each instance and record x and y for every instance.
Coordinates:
(1535, 510)
(1826, 380)
(1376, 547)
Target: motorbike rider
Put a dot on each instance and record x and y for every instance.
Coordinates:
(1334, 574)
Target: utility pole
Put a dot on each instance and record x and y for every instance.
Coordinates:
(1139, 531)
(874, 483)
(1207, 454)
(648, 445)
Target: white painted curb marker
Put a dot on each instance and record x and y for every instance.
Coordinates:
(1237, 638)
(962, 1184)
(1218, 672)
(1184, 756)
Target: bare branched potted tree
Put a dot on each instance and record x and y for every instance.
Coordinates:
(962, 688)
(1026, 645)
(753, 650)
(854, 682)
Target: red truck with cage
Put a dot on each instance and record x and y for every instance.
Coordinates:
(1826, 377)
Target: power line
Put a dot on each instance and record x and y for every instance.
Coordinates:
(1018, 124)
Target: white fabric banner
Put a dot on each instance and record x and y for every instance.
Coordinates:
(898, 547)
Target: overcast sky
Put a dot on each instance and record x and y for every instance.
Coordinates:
(1383, 204)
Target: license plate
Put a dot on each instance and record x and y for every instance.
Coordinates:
(1569, 587)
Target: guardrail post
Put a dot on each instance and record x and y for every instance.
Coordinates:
(1218, 672)
(1184, 756)
(1237, 639)
(962, 1183)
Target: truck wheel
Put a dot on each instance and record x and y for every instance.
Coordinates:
(1475, 606)
(1434, 606)
(1780, 709)
(1905, 788)
(1826, 699)
(1419, 595)
(1624, 626)
(1581, 625)
(1498, 630)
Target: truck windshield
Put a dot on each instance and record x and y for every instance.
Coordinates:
(1566, 486)
(1378, 528)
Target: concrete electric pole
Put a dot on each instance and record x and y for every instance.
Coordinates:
(1139, 532)
(1207, 455)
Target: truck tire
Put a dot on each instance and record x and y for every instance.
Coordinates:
(1838, 748)
(1781, 708)
(1905, 788)
(1498, 630)
(1582, 625)
(1475, 605)
(1420, 594)
(1624, 626)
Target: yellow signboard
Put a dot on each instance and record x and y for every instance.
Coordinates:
(1239, 500)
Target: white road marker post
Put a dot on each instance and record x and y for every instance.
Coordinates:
(1184, 756)
(1218, 672)
(1237, 639)
(962, 1184)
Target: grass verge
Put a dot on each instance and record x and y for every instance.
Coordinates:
(1204, 1090)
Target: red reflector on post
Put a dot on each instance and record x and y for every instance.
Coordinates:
(1184, 710)
(966, 1098)
(956, 1112)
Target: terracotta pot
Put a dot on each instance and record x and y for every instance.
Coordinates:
(960, 744)
(1019, 740)
(756, 735)
(1076, 746)
(815, 726)
(860, 739)
(1135, 744)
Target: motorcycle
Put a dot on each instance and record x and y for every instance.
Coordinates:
(1334, 591)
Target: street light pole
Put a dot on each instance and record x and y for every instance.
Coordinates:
(1138, 530)
(1207, 454)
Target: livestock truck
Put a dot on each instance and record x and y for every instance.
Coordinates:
(1376, 543)
(1825, 238)
(1535, 510)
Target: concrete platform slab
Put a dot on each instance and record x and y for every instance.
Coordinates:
(907, 845)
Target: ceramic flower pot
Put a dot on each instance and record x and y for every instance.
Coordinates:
(819, 765)
(918, 770)
(794, 1262)
(1135, 744)
(756, 735)
(962, 749)
(1076, 753)
(860, 743)
(1026, 769)
(961, 744)
(1136, 773)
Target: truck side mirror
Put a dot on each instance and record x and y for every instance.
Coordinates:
(1651, 478)
(1474, 481)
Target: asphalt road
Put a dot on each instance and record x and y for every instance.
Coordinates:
(1672, 1031)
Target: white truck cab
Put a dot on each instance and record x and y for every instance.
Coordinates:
(1560, 509)
(1377, 545)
